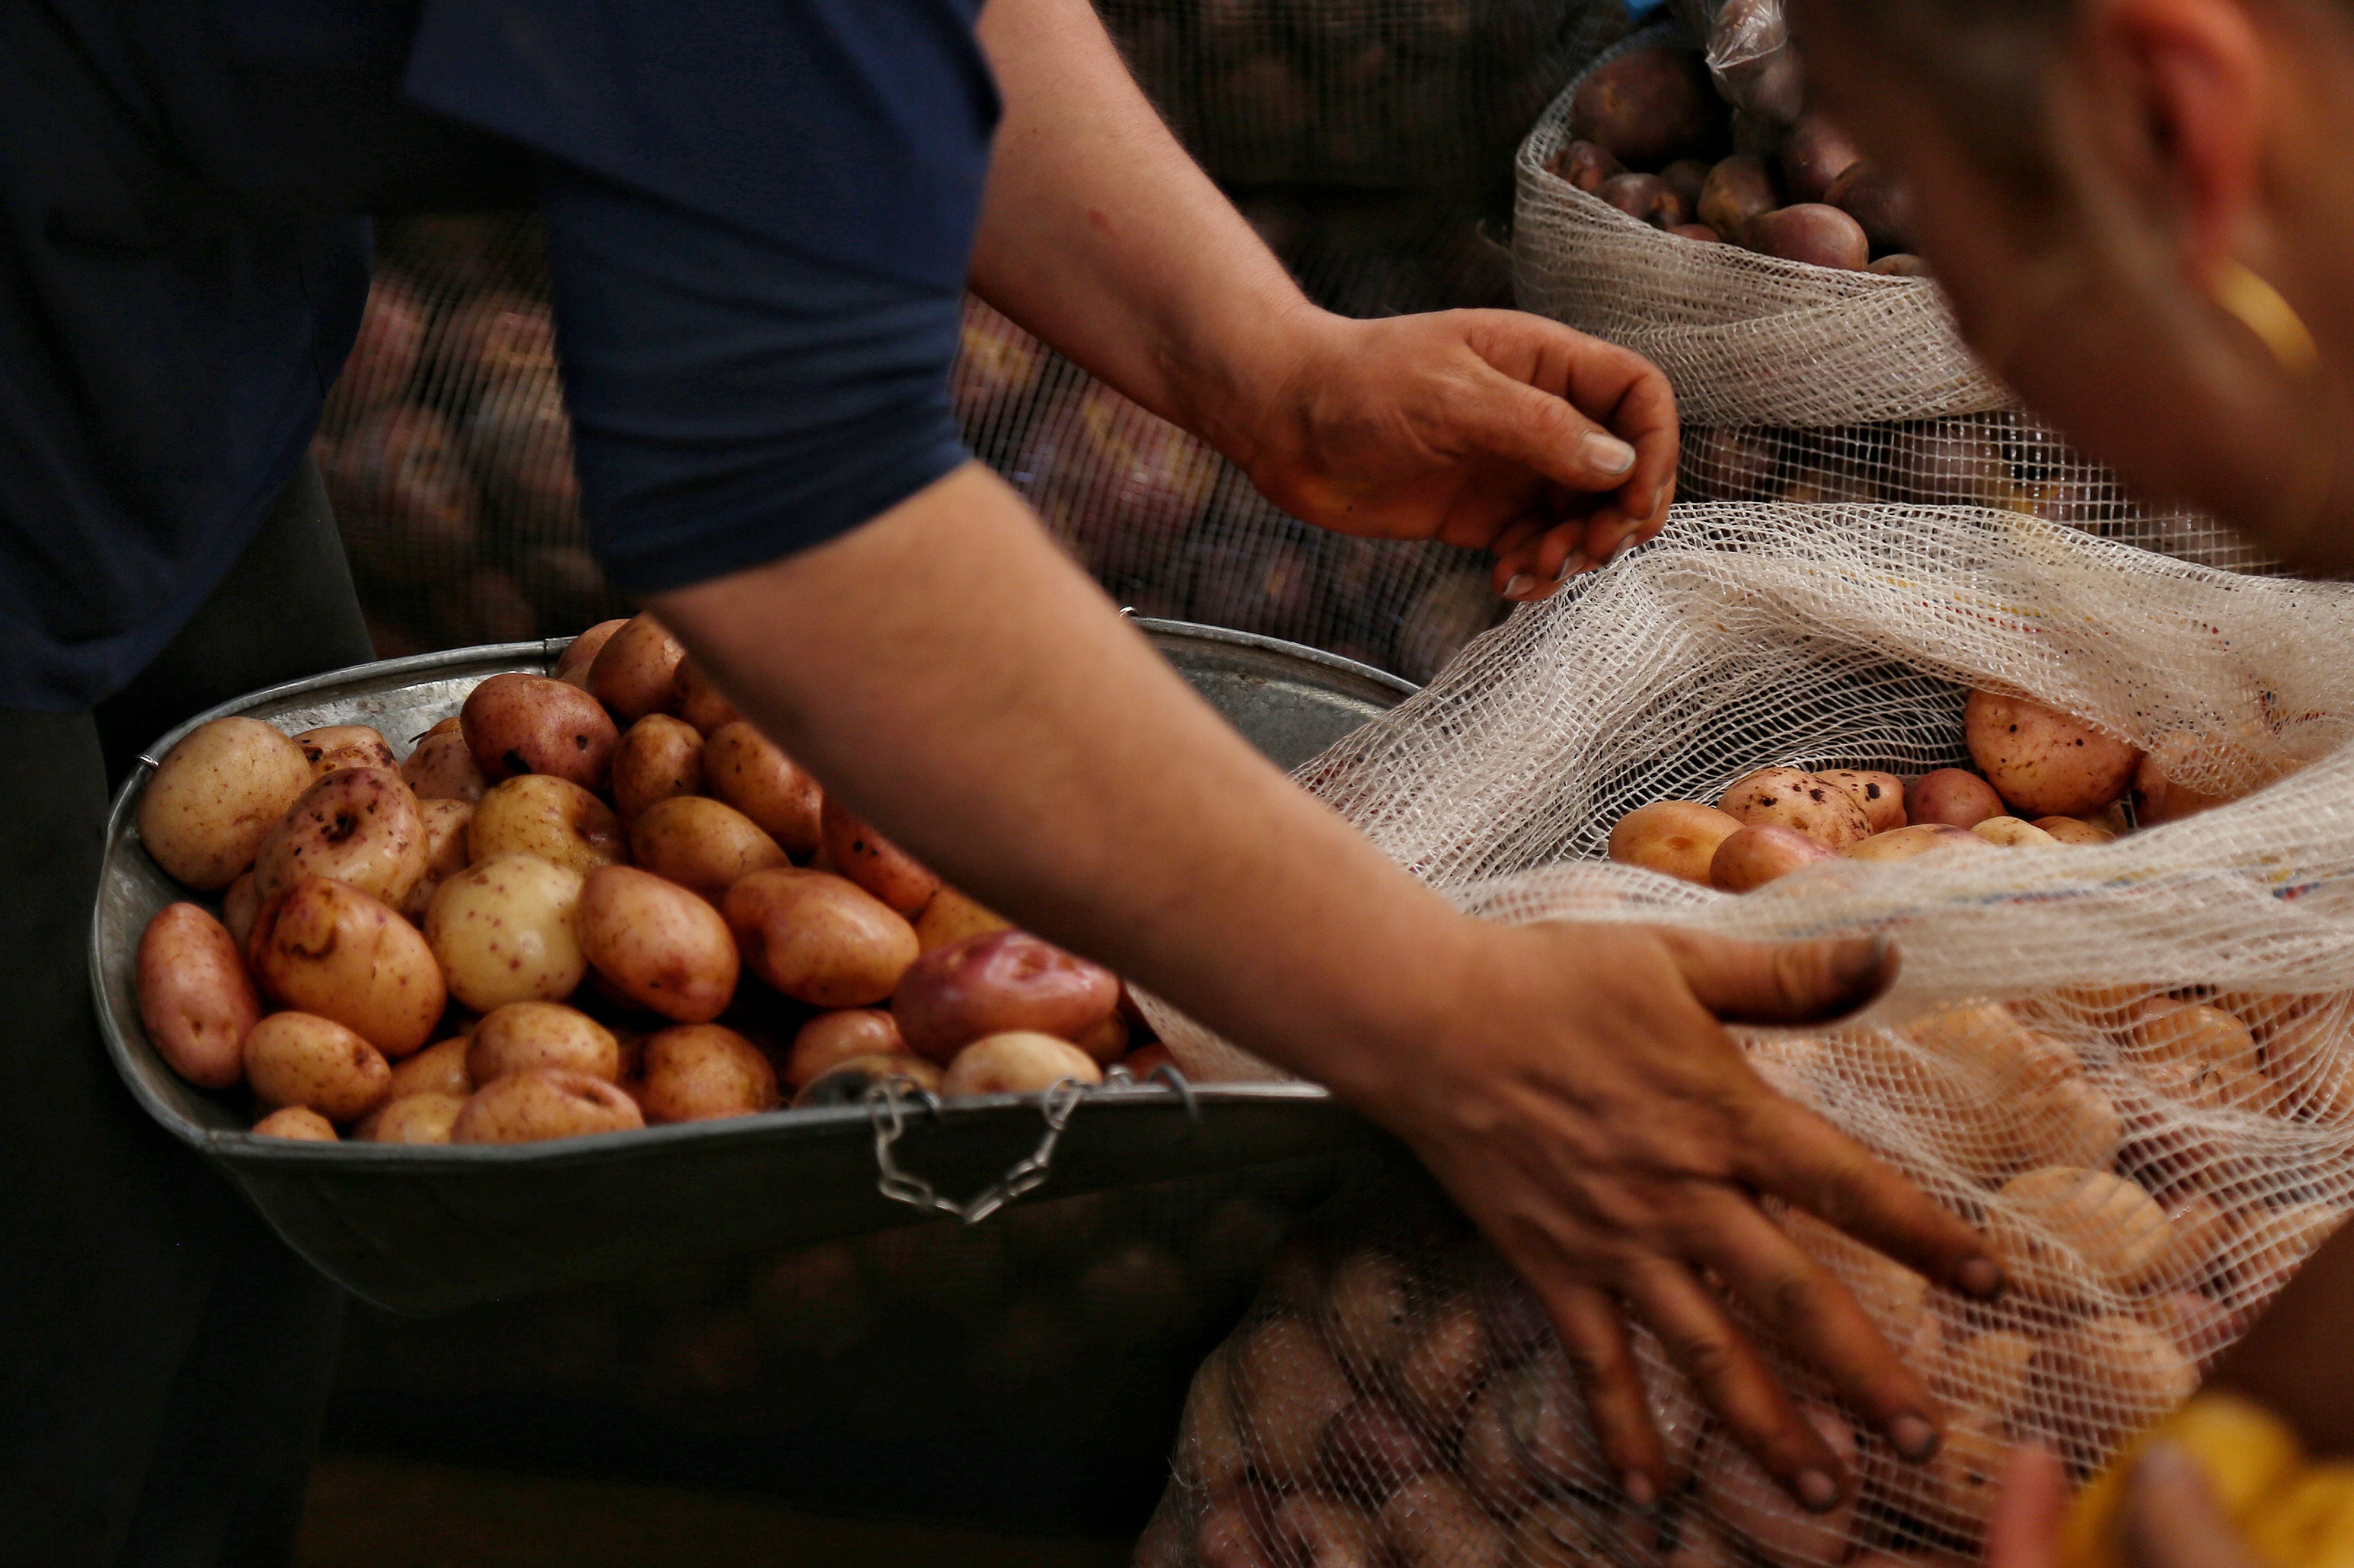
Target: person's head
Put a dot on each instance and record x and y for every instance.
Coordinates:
(2097, 183)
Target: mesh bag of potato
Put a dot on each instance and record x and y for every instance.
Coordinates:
(1797, 382)
(2129, 1061)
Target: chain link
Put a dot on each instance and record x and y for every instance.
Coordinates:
(886, 1111)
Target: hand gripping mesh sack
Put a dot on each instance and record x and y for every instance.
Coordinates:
(2129, 1063)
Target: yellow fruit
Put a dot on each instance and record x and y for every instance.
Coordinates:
(2247, 1453)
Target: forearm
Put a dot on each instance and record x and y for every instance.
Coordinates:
(1099, 233)
(953, 675)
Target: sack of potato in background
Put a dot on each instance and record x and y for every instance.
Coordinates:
(1682, 202)
(2124, 1047)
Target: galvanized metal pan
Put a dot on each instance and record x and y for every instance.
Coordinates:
(432, 1229)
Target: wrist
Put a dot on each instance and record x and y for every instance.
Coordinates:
(1383, 1035)
(1245, 394)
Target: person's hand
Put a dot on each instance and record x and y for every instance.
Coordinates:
(2171, 1519)
(1609, 1137)
(1493, 429)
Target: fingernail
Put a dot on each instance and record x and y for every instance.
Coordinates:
(1859, 963)
(1912, 1436)
(1574, 563)
(1608, 454)
(1817, 1490)
(1982, 1277)
(1638, 1491)
(1519, 586)
(1625, 545)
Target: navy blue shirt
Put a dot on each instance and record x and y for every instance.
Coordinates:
(760, 220)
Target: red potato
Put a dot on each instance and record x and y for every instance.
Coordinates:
(215, 796)
(1585, 165)
(194, 996)
(2043, 762)
(298, 1122)
(950, 916)
(1875, 198)
(448, 851)
(338, 746)
(443, 769)
(659, 757)
(572, 664)
(525, 1035)
(818, 938)
(438, 1069)
(356, 825)
(1905, 843)
(700, 703)
(1951, 795)
(412, 1119)
(1678, 838)
(299, 1059)
(833, 1038)
(702, 844)
(856, 850)
(1881, 795)
(849, 1083)
(518, 724)
(1687, 177)
(1813, 156)
(990, 984)
(1794, 798)
(1650, 107)
(1646, 198)
(1019, 1062)
(544, 1103)
(325, 948)
(1737, 190)
(552, 819)
(1756, 856)
(636, 672)
(662, 946)
(699, 1072)
(1812, 232)
(751, 773)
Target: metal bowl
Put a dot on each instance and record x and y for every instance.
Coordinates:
(424, 1229)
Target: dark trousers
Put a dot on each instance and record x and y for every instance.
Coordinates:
(163, 1358)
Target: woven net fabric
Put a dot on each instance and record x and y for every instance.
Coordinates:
(2132, 1064)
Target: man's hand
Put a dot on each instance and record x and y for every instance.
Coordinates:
(1491, 429)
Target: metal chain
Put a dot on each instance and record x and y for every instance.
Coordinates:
(884, 1111)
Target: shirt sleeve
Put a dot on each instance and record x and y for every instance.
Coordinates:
(760, 215)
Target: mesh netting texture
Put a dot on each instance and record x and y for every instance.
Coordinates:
(2129, 1063)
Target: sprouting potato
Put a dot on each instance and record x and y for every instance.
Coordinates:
(503, 931)
(442, 768)
(215, 799)
(696, 1072)
(2043, 762)
(327, 948)
(634, 674)
(356, 825)
(1792, 798)
(701, 844)
(752, 774)
(818, 938)
(856, 850)
(299, 1059)
(551, 818)
(542, 1103)
(521, 1034)
(660, 945)
(659, 757)
(1678, 838)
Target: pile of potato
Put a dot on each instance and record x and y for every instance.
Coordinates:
(398, 942)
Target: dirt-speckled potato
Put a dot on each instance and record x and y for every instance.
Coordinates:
(525, 1034)
(697, 1071)
(847, 1082)
(516, 724)
(1792, 798)
(702, 844)
(818, 938)
(751, 773)
(698, 702)
(1881, 795)
(1903, 843)
(216, 797)
(950, 916)
(448, 850)
(438, 1069)
(996, 984)
(636, 672)
(572, 666)
(1019, 1062)
(336, 746)
(544, 1103)
(1676, 838)
(412, 1119)
(299, 1122)
(2041, 761)
(503, 931)
(442, 768)
(240, 905)
(1953, 796)
(661, 945)
(2010, 832)
(554, 818)
(357, 825)
(854, 850)
(830, 1039)
(659, 757)
(327, 948)
(301, 1059)
(194, 996)
(1757, 855)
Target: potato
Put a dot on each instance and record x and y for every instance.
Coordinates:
(1325, 1533)
(2140, 1373)
(1753, 857)
(635, 672)
(1905, 843)
(2204, 1036)
(438, 1069)
(1896, 1297)
(1585, 165)
(1209, 1451)
(2010, 832)
(194, 996)
(659, 757)
(553, 819)
(697, 1071)
(411, 1118)
(950, 916)
(1370, 1449)
(1967, 1470)
(572, 666)
(661, 946)
(213, 800)
(2075, 830)
(1737, 189)
(1107, 1041)
(442, 768)
(336, 746)
(750, 772)
(1492, 1461)
(1676, 838)
(1650, 107)
(702, 844)
(833, 1038)
(359, 826)
(1814, 155)
(1989, 1371)
(993, 984)
(1790, 798)
(1754, 1507)
(1881, 795)
(2275, 1243)
(525, 1035)
(503, 932)
(301, 1059)
(1811, 232)
(1700, 231)
(449, 827)
(848, 1083)
(544, 1103)
(300, 1122)
(1686, 176)
(1287, 1390)
(2158, 798)
(1901, 265)
(327, 948)
(698, 702)
(518, 724)
(1227, 1533)
(1875, 198)
(818, 938)
(2069, 1234)
(1019, 1062)
(856, 850)
(1951, 795)
(1366, 1314)
(1433, 1522)
(1646, 198)
(1443, 1366)
(240, 905)
(2041, 761)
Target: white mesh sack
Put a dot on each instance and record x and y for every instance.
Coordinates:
(2130, 1062)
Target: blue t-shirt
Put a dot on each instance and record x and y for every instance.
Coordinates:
(760, 219)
